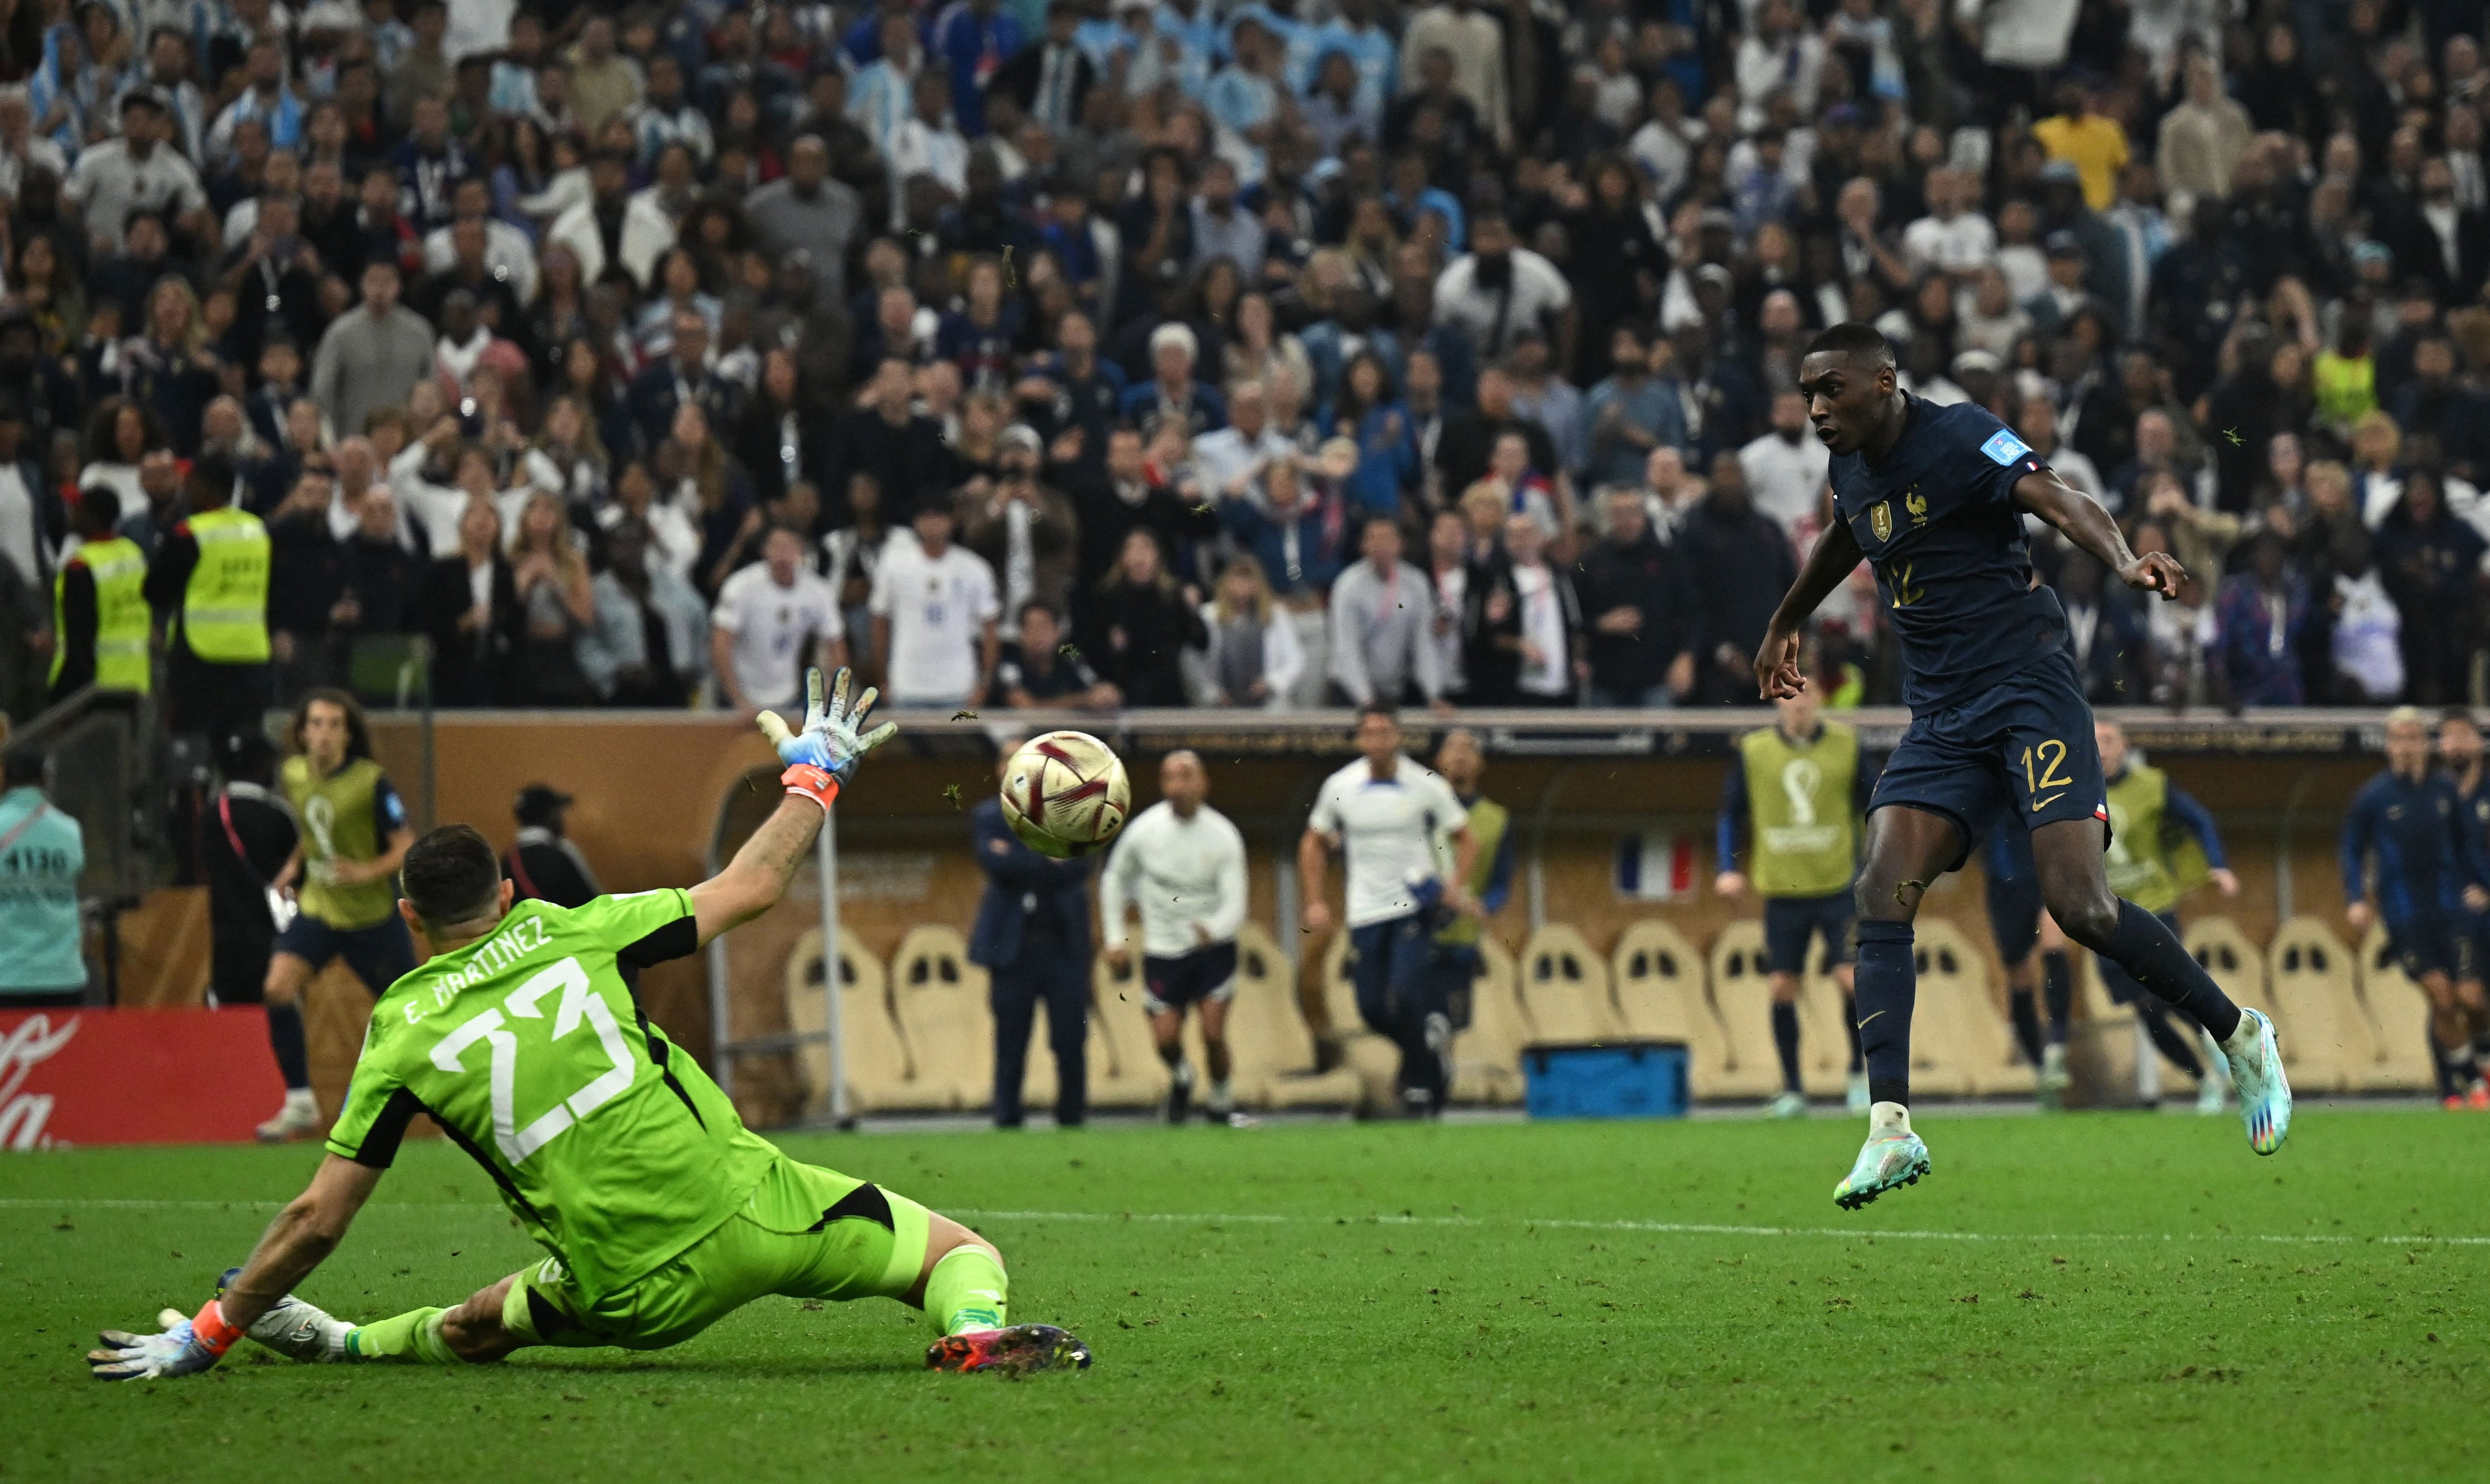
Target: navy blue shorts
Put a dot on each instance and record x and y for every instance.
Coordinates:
(1206, 974)
(1789, 921)
(2024, 745)
(1388, 964)
(2422, 944)
(2014, 888)
(380, 954)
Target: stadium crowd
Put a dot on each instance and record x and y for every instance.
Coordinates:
(1097, 352)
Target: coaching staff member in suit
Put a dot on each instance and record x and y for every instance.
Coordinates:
(1033, 936)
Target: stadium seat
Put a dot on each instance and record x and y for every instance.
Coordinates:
(879, 1077)
(1375, 1061)
(1565, 988)
(2104, 1036)
(1660, 996)
(2327, 1043)
(1958, 1040)
(1823, 1037)
(1124, 1067)
(1742, 1005)
(1267, 1036)
(2398, 1012)
(2234, 960)
(1486, 1057)
(940, 1001)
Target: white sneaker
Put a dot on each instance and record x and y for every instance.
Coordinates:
(1856, 1097)
(1790, 1105)
(295, 1329)
(298, 1118)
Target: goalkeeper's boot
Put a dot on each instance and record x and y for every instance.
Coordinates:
(298, 1118)
(1017, 1351)
(1887, 1161)
(2255, 1058)
(293, 1328)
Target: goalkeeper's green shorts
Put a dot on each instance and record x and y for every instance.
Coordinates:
(806, 1232)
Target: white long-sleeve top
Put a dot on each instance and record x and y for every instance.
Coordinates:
(1180, 872)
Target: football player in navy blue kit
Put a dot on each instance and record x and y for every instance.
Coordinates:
(1935, 498)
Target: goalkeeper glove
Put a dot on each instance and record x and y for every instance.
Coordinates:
(185, 1347)
(824, 755)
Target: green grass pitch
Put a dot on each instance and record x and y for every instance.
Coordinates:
(2112, 1296)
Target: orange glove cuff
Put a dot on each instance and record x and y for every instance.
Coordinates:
(818, 784)
(209, 1329)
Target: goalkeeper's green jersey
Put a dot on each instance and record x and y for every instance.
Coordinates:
(609, 1144)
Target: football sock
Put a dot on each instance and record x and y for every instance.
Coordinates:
(2021, 1008)
(413, 1337)
(2152, 955)
(966, 1290)
(2167, 1040)
(1850, 1027)
(2455, 1072)
(1223, 1096)
(1888, 983)
(285, 1039)
(2057, 992)
(1786, 1041)
(1884, 1119)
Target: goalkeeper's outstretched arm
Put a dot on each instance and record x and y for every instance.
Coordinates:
(820, 760)
(300, 1239)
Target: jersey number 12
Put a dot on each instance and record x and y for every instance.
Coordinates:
(580, 1005)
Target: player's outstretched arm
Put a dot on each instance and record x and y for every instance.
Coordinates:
(2083, 520)
(820, 760)
(298, 1241)
(1837, 552)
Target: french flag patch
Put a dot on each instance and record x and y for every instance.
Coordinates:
(2101, 811)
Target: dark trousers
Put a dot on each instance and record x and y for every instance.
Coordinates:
(1390, 963)
(1051, 973)
(218, 702)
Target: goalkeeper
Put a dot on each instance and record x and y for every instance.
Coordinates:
(660, 1211)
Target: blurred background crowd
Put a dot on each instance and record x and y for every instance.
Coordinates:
(1110, 352)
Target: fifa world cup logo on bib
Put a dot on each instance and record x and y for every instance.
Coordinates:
(1880, 519)
(1799, 782)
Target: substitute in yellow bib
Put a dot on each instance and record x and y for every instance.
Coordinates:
(100, 618)
(352, 835)
(1455, 961)
(1796, 793)
(2161, 843)
(210, 586)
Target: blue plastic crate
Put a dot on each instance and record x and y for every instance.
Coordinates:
(1607, 1080)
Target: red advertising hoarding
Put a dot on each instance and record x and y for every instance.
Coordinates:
(96, 1076)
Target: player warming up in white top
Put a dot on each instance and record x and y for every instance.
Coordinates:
(1406, 837)
(1182, 865)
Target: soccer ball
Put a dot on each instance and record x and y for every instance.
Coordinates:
(1066, 794)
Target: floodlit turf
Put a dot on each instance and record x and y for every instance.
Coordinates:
(2145, 1299)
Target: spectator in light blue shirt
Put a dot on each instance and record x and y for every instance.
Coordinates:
(1194, 28)
(1370, 48)
(1629, 414)
(41, 853)
(883, 97)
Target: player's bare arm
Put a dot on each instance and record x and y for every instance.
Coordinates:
(1314, 861)
(1836, 556)
(2081, 519)
(300, 1240)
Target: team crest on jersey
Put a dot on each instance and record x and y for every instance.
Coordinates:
(2003, 448)
(1880, 519)
(1917, 503)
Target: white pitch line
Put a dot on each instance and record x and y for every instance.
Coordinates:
(1558, 1223)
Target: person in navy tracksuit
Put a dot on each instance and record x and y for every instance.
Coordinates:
(2411, 821)
(1033, 936)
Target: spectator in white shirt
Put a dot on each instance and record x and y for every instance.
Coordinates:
(1785, 468)
(935, 610)
(1500, 288)
(1231, 460)
(772, 619)
(1955, 241)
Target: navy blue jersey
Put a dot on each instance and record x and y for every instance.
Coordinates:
(2416, 832)
(1938, 521)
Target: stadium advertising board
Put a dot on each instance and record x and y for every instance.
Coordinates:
(66, 1077)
